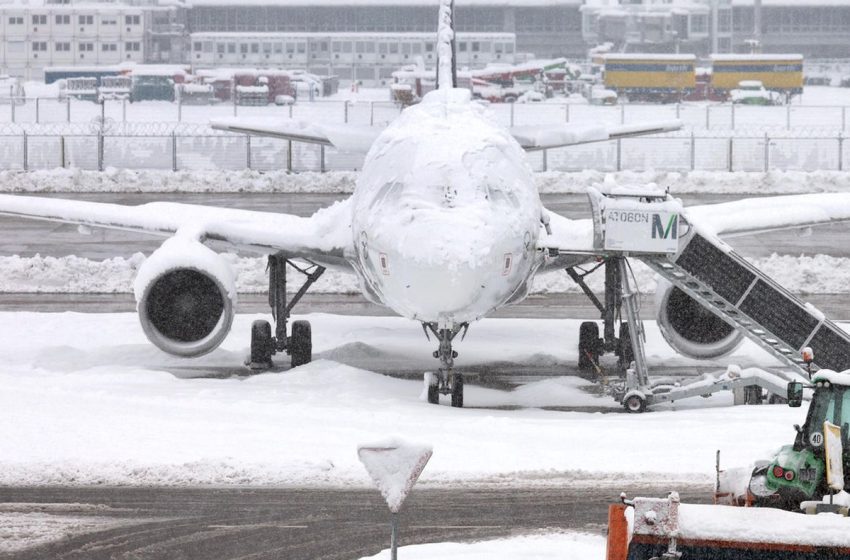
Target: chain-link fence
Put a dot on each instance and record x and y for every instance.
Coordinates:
(693, 115)
(188, 147)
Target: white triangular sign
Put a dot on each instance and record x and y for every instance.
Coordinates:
(394, 466)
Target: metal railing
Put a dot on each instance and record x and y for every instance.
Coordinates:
(175, 148)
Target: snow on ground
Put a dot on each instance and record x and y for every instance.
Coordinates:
(342, 182)
(87, 400)
(25, 526)
(564, 546)
(817, 274)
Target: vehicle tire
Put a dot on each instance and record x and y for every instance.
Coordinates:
(457, 390)
(625, 352)
(433, 394)
(635, 404)
(261, 345)
(509, 99)
(588, 345)
(301, 343)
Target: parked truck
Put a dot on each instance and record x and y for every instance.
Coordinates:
(658, 78)
(781, 73)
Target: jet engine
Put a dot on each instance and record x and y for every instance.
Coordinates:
(185, 297)
(690, 328)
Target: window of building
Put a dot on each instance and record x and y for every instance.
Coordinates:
(39, 46)
(132, 20)
(15, 20)
(461, 47)
(429, 47)
(302, 48)
(255, 48)
(63, 20)
(133, 46)
(267, 48)
(724, 21)
(382, 48)
(109, 47)
(197, 46)
(346, 46)
(63, 47)
(87, 47)
(109, 21)
(243, 48)
(475, 46)
(393, 48)
(231, 48)
(699, 23)
(86, 20)
(39, 20)
(278, 48)
(219, 48)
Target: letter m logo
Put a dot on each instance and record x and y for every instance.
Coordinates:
(659, 230)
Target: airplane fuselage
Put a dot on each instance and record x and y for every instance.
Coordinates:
(446, 214)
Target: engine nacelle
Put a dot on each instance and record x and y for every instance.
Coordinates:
(691, 329)
(185, 296)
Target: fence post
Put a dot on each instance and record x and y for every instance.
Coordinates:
(13, 107)
(545, 159)
(289, 155)
(322, 158)
(693, 151)
(843, 118)
(124, 110)
(345, 111)
(68, 109)
(512, 113)
(733, 116)
(567, 111)
(26, 161)
(62, 161)
(766, 153)
(233, 92)
(180, 108)
(371, 113)
(729, 155)
(788, 117)
(290, 110)
(841, 151)
(619, 154)
(100, 150)
(622, 114)
(248, 151)
(678, 109)
(707, 117)
(173, 150)
(37, 108)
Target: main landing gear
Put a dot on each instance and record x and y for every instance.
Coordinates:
(299, 344)
(591, 346)
(446, 381)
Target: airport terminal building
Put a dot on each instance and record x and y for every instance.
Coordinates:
(360, 39)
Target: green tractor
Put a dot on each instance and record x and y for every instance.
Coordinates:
(797, 472)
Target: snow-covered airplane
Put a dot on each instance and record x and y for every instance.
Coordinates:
(444, 227)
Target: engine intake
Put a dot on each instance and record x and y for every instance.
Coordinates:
(690, 328)
(185, 296)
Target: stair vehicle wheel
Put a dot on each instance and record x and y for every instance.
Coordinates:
(301, 343)
(752, 394)
(261, 345)
(457, 390)
(635, 404)
(625, 352)
(588, 345)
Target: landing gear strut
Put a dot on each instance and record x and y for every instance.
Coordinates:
(299, 345)
(447, 381)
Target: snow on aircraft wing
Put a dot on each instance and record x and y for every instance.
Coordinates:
(344, 137)
(324, 237)
(757, 215)
(533, 138)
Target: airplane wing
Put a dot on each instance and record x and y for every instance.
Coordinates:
(572, 240)
(533, 138)
(344, 137)
(325, 237)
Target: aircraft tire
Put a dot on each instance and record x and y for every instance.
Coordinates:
(588, 343)
(457, 390)
(433, 394)
(261, 345)
(625, 353)
(301, 343)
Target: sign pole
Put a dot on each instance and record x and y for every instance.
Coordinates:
(394, 536)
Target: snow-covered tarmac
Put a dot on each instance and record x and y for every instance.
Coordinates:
(88, 401)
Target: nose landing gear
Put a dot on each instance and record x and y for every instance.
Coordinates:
(446, 381)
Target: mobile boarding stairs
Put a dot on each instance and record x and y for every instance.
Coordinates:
(709, 271)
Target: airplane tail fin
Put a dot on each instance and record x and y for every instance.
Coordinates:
(446, 63)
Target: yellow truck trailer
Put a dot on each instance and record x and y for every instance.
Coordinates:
(661, 78)
(782, 73)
